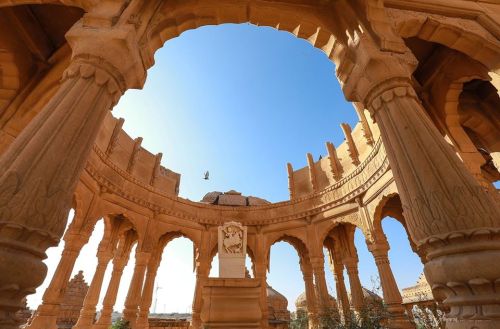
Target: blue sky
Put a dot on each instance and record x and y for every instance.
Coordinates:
(240, 101)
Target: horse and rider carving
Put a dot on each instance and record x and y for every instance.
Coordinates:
(233, 239)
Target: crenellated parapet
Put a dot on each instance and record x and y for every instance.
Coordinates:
(131, 160)
(331, 195)
(340, 162)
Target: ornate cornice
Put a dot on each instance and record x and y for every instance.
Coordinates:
(342, 192)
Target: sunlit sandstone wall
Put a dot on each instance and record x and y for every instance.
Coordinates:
(315, 178)
(318, 205)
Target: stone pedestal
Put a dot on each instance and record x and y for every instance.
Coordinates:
(231, 303)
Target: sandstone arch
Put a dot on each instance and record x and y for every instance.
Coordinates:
(465, 36)
(286, 16)
(297, 244)
(436, 192)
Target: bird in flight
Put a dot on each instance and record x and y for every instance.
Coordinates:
(207, 174)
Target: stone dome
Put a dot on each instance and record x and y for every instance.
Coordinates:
(232, 198)
(301, 302)
(278, 307)
(276, 299)
(373, 302)
(370, 296)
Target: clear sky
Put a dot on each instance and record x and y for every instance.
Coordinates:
(240, 101)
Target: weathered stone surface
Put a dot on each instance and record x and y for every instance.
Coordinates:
(426, 72)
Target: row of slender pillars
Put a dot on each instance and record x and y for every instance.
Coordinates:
(140, 293)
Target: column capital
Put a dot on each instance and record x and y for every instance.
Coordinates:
(387, 91)
(119, 263)
(317, 262)
(378, 249)
(74, 241)
(142, 258)
(114, 49)
(365, 67)
(350, 262)
(104, 256)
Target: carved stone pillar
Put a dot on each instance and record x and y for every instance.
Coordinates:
(135, 289)
(104, 321)
(202, 267)
(261, 274)
(119, 262)
(312, 308)
(392, 296)
(202, 272)
(39, 171)
(357, 298)
(453, 220)
(87, 314)
(48, 311)
(337, 269)
(342, 298)
(323, 299)
(147, 291)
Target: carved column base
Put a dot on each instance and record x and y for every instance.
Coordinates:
(86, 319)
(231, 303)
(142, 321)
(22, 272)
(104, 321)
(464, 275)
(130, 315)
(398, 318)
(46, 317)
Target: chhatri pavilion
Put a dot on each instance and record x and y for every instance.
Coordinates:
(423, 77)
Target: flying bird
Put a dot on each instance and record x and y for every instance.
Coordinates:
(207, 174)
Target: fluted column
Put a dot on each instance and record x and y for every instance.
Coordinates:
(40, 169)
(147, 291)
(119, 263)
(453, 220)
(392, 296)
(39, 173)
(312, 307)
(87, 314)
(357, 298)
(135, 288)
(48, 311)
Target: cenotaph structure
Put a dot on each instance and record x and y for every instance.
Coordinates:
(423, 78)
(232, 300)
